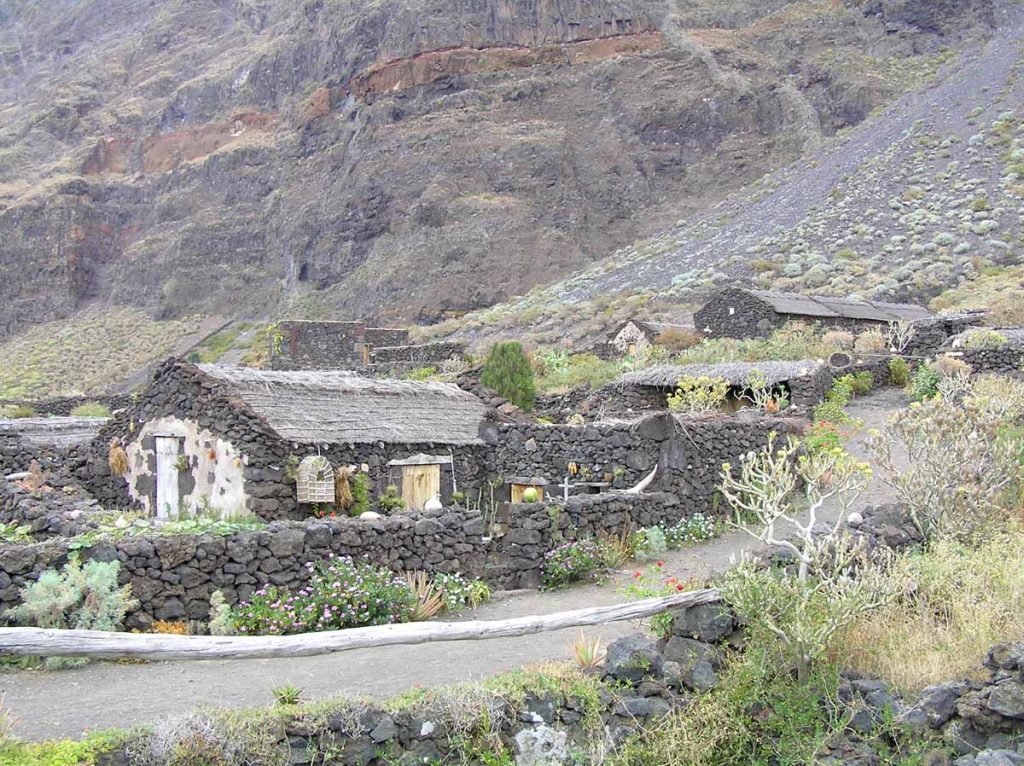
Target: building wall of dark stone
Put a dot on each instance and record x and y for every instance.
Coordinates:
(305, 345)
(736, 313)
(386, 336)
(427, 353)
(183, 392)
(299, 345)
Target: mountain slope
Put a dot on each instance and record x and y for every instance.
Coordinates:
(924, 195)
(394, 158)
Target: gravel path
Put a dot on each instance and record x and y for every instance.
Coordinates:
(102, 695)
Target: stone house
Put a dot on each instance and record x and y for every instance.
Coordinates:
(804, 382)
(235, 439)
(743, 313)
(636, 336)
(307, 345)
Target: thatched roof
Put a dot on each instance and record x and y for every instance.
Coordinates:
(825, 307)
(736, 373)
(53, 432)
(335, 407)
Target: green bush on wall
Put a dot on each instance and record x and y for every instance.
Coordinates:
(508, 372)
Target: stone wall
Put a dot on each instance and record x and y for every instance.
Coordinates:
(810, 390)
(640, 681)
(305, 345)
(427, 353)
(619, 453)
(1006, 361)
(173, 576)
(16, 455)
(63, 406)
(49, 512)
(386, 336)
(302, 345)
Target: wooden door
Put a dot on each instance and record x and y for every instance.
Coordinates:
(167, 452)
(419, 484)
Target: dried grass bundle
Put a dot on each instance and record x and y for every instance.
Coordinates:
(117, 458)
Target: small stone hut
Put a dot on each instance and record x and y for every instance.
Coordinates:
(804, 382)
(636, 336)
(232, 439)
(306, 345)
(743, 313)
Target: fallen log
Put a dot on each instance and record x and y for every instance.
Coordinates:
(42, 642)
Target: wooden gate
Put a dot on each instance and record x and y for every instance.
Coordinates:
(419, 484)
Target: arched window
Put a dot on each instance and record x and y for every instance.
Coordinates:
(315, 480)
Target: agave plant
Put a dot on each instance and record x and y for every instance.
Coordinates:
(429, 600)
(588, 653)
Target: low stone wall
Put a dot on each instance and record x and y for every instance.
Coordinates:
(427, 353)
(65, 405)
(640, 681)
(16, 455)
(173, 576)
(48, 513)
(523, 533)
(619, 453)
(1005, 361)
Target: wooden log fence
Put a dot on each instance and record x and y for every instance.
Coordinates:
(95, 644)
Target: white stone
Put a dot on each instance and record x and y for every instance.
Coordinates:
(855, 520)
(427, 729)
(433, 504)
(370, 516)
(542, 746)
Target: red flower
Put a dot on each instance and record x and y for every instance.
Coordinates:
(660, 564)
(680, 587)
(637, 574)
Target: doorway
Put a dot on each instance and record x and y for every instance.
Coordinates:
(168, 450)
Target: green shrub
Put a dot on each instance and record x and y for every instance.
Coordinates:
(78, 597)
(341, 593)
(899, 372)
(17, 411)
(862, 383)
(360, 484)
(220, 621)
(421, 373)
(925, 383)
(508, 372)
(458, 593)
(650, 544)
(574, 561)
(390, 501)
(822, 436)
(695, 395)
(984, 340)
(841, 392)
(91, 410)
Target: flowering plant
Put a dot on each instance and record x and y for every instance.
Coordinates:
(654, 583)
(341, 593)
(573, 561)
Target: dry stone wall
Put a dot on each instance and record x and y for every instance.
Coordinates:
(173, 576)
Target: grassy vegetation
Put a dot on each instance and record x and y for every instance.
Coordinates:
(965, 601)
(86, 353)
(999, 289)
(214, 347)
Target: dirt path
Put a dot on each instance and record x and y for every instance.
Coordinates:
(102, 695)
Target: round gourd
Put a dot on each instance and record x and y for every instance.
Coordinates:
(531, 495)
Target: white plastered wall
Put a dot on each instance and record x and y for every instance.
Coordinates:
(216, 466)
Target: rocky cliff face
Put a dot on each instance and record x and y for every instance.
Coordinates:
(395, 158)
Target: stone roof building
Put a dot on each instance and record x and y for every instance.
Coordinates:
(804, 382)
(230, 438)
(743, 313)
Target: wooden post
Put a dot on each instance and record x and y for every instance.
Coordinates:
(40, 642)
